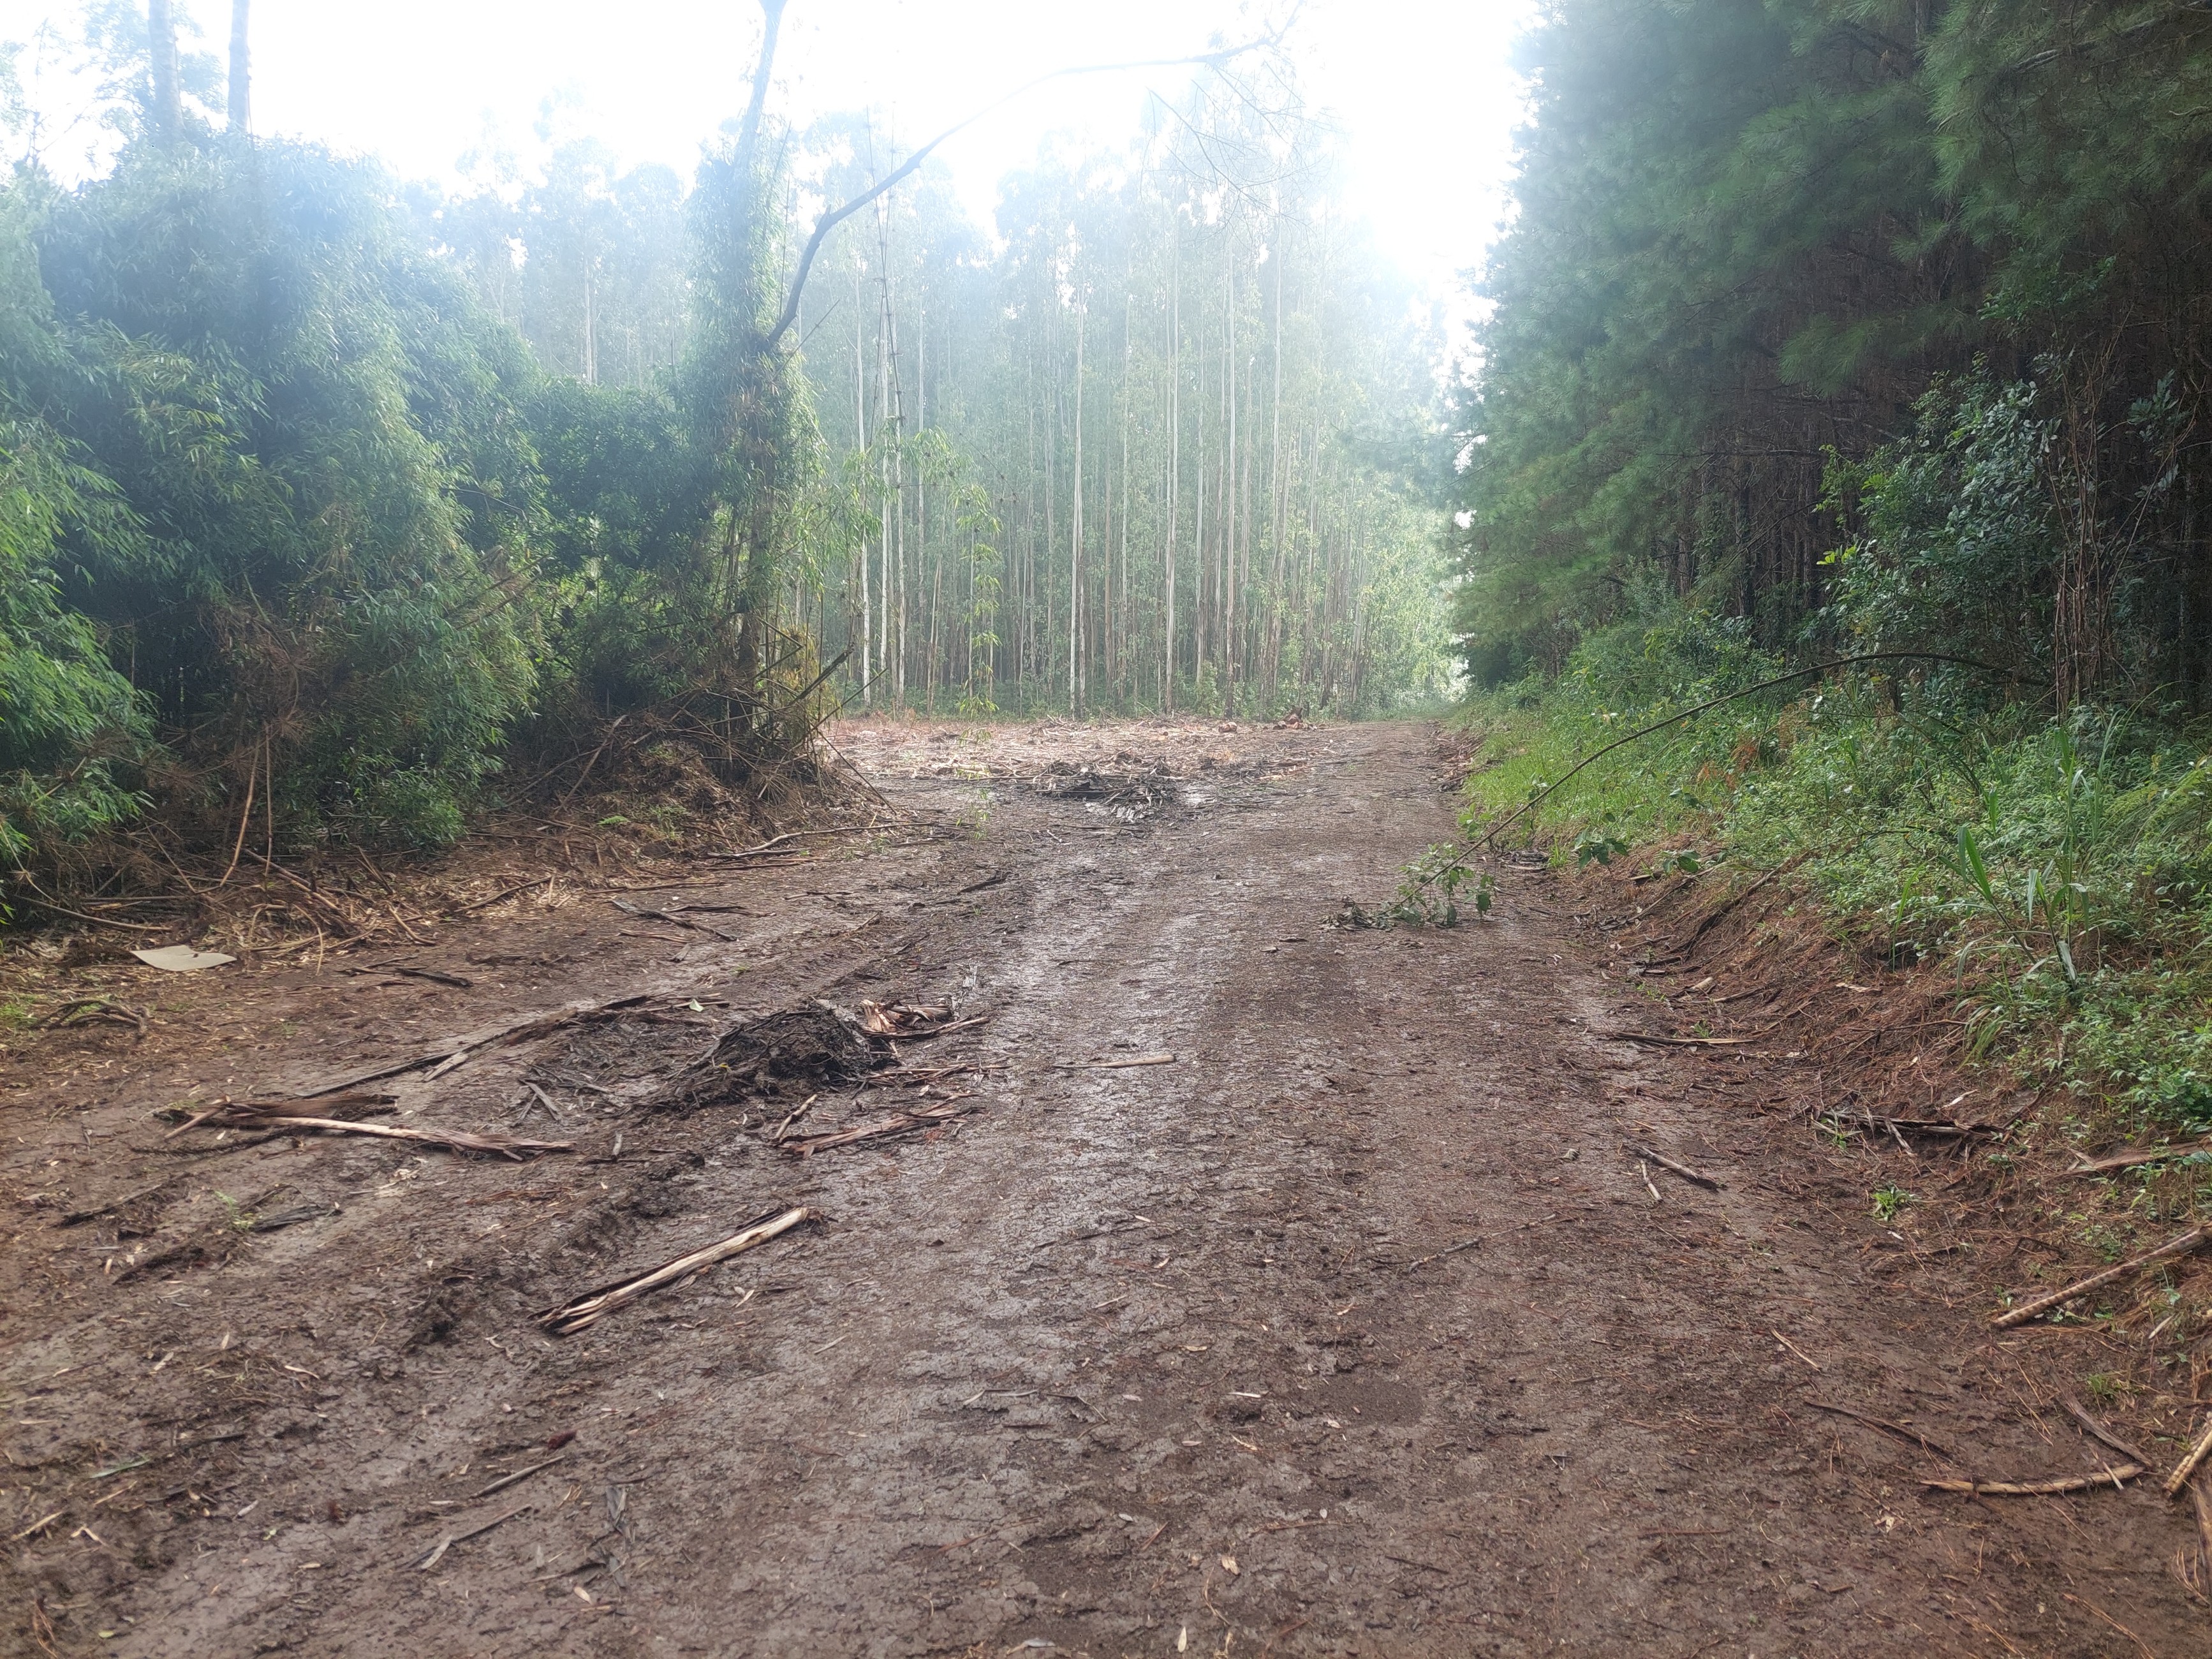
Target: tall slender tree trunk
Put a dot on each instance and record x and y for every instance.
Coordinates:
(1174, 453)
(861, 442)
(1128, 355)
(241, 71)
(1228, 479)
(168, 102)
(1275, 490)
(1075, 535)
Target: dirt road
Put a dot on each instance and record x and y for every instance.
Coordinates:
(1350, 1329)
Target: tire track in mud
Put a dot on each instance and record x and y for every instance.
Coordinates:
(1172, 1358)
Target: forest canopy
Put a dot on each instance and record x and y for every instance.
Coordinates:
(348, 507)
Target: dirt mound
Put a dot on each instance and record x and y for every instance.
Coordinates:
(785, 1055)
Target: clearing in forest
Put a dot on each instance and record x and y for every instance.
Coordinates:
(1149, 1265)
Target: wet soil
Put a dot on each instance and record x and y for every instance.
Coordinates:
(1351, 1328)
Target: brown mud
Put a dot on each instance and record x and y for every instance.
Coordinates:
(1352, 1329)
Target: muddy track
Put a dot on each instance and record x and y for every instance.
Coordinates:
(1351, 1329)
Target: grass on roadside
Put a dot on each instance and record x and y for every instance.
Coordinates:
(2064, 867)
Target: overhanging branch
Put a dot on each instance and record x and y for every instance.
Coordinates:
(836, 216)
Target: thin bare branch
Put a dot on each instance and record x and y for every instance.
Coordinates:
(831, 219)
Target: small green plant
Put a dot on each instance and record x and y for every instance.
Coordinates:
(1600, 843)
(1429, 894)
(2104, 1388)
(1889, 1201)
(975, 816)
(236, 1216)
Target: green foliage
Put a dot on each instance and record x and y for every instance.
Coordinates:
(313, 441)
(69, 723)
(1429, 896)
(1959, 538)
(2064, 866)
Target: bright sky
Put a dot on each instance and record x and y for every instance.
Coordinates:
(1422, 87)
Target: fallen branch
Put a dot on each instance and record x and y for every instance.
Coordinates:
(245, 1115)
(436, 1553)
(454, 1049)
(505, 1480)
(1919, 1126)
(2052, 1488)
(2098, 1430)
(673, 918)
(1112, 1065)
(79, 1011)
(1734, 903)
(1697, 1178)
(506, 893)
(2130, 1159)
(436, 976)
(587, 1310)
(2191, 1240)
(2187, 1466)
(1913, 1435)
(775, 842)
(1673, 1042)
(899, 1124)
(1449, 1249)
(1496, 830)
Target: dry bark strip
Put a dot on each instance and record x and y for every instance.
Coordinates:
(587, 1310)
(2191, 1240)
(898, 1123)
(2052, 1488)
(275, 1114)
(1674, 1042)
(2080, 1414)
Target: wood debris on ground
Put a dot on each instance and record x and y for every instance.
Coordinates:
(584, 1311)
